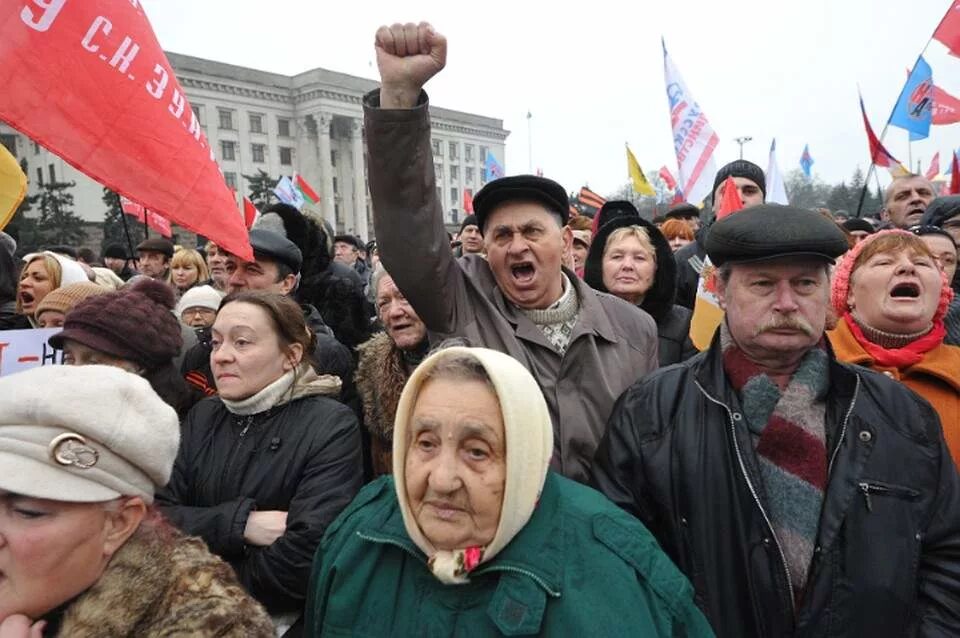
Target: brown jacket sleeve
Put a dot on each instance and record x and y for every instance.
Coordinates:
(407, 216)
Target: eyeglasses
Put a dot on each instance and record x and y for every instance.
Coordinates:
(198, 312)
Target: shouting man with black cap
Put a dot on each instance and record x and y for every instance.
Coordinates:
(752, 189)
(801, 496)
(583, 347)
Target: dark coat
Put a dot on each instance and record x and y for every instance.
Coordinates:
(689, 260)
(673, 321)
(301, 457)
(612, 345)
(677, 454)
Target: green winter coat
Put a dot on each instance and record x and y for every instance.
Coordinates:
(581, 567)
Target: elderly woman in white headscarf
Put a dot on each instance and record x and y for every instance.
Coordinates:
(472, 535)
(83, 550)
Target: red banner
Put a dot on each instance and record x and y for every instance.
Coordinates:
(89, 81)
(154, 221)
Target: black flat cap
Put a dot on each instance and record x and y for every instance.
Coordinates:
(353, 240)
(683, 211)
(519, 188)
(157, 245)
(940, 210)
(770, 231)
(275, 246)
(858, 223)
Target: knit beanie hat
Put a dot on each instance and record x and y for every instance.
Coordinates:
(469, 220)
(741, 168)
(529, 446)
(200, 297)
(135, 324)
(840, 289)
(63, 299)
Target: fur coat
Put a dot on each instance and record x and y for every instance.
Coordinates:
(381, 375)
(162, 583)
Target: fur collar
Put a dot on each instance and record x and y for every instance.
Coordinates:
(381, 375)
(161, 583)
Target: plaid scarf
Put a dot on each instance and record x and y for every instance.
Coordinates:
(790, 442)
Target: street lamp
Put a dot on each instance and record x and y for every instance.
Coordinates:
(741, 141)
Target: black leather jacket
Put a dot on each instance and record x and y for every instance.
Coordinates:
(677, 454)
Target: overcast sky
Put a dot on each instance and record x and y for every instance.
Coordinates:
(591, 73)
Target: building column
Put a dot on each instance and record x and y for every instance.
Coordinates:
(326, 169)
(359, 183)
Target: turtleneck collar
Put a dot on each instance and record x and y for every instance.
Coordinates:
(268, 397)
(887, 340)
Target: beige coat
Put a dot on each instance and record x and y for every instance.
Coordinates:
(612, 346)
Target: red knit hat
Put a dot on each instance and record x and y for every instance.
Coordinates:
(134, 324)
(844, 270)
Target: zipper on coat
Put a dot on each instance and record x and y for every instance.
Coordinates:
(390, 541)
(519, 570)
(843, 427)
(756, 497)
(233, 452)
(882, 489)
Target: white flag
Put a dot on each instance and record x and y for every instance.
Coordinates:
(776, 190)
(286, 193)
(694, 140)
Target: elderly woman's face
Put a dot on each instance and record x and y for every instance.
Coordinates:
(896, 292)
(398, 317)
(50, 551)
(456, 463)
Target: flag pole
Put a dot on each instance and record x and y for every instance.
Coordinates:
(123, 219)
(883, 132)
(529, 143)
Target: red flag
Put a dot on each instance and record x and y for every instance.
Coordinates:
(468, 201)
(249, 212)
(878, 154)
(306, 189)
(139, 212)
(934, 168)
(948, 31)
(667, 177)
(93, 85)
(955, 177)
(946, 108)
(730, 201)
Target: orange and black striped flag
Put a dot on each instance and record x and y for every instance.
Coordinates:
(591, 199)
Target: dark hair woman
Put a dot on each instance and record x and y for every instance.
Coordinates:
(265, 466)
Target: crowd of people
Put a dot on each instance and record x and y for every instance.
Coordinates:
(504, 432)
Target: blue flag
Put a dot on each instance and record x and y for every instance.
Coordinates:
(914, 110)
(491, 168)
(806, 160)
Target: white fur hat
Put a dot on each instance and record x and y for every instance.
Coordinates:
(84, 434)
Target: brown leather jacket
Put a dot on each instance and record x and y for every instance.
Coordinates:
(613, 344)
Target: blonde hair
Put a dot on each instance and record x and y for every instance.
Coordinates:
(53, 271)
(638, 232)
(189, 257)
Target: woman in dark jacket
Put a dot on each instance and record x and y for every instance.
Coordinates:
(264, 467)
(653, 292)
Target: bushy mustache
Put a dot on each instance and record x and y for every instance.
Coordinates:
(779, 322)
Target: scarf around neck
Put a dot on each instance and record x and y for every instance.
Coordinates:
(789, 437)
(904, 357)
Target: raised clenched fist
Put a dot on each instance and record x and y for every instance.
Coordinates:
(408, 55)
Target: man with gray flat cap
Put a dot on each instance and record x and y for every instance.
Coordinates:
(801, 496)
(583, 347)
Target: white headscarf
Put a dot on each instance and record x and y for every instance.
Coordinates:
(529, 441)
(71, 272)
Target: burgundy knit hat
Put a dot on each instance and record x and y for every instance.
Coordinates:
(134, 324)
(844, 271)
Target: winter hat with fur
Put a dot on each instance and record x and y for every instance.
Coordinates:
(843, 272)
(135, 324)
(100, 434)
(529, 445)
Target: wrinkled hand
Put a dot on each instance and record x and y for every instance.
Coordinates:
(263, 528)
(19, 626)
(408, 55)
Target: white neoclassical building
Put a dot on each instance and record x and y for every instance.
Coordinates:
(311, 124)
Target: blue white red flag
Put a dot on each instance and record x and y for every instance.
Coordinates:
(914, 110)
(694, 140)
